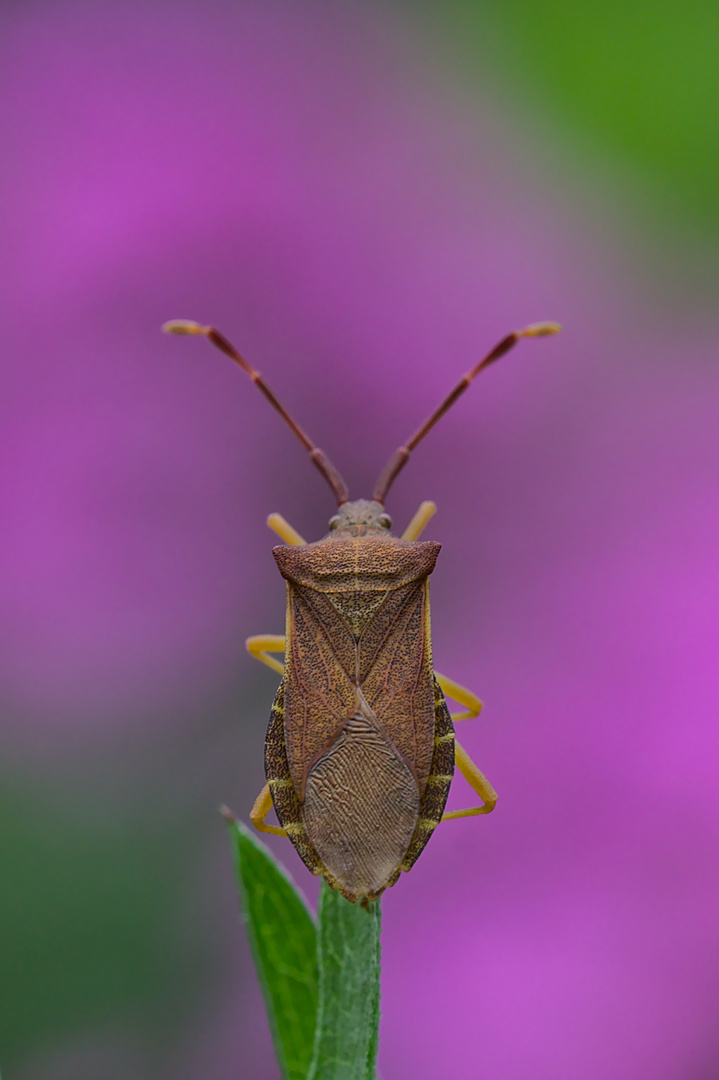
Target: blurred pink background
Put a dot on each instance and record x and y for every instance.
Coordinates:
(301, 177)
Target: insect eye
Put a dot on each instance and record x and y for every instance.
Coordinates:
(334, 521)
(385, 521)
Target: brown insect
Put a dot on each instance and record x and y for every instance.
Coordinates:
(360, 749)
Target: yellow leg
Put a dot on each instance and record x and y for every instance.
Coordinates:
(462, 695)
(258, 813)
(426, 511)
(478, 781)
(284, 530)
(261, 645)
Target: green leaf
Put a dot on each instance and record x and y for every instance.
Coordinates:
(348, 949)
(284, 945)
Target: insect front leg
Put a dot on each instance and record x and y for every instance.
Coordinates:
(462, 695)
(258, 813)
(476, 780)
(261, 645)
(420, 520)
(285, 531)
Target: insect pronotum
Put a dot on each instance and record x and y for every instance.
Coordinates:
(360, 749)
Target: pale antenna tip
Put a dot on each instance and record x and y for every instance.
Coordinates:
(183, 326)
(541, 329)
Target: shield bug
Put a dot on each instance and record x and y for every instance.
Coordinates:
(360, 749)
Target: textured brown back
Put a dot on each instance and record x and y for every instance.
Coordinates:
(359, 701)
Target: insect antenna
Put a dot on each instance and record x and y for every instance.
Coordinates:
(320, 459)
(401, 455)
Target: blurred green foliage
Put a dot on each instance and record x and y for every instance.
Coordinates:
(96, 908)
(628, 85)
(116, 891)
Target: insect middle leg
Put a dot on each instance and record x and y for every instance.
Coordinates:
(476, 779)
(261, 645)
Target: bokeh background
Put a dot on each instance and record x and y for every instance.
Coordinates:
(364, 197)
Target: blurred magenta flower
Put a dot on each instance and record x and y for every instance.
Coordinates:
(284, 172)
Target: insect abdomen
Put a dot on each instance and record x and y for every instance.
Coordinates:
(362, 807)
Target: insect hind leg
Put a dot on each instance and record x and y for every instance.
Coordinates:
(260, 810)
(478, 781)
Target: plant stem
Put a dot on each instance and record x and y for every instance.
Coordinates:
(348, 952)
